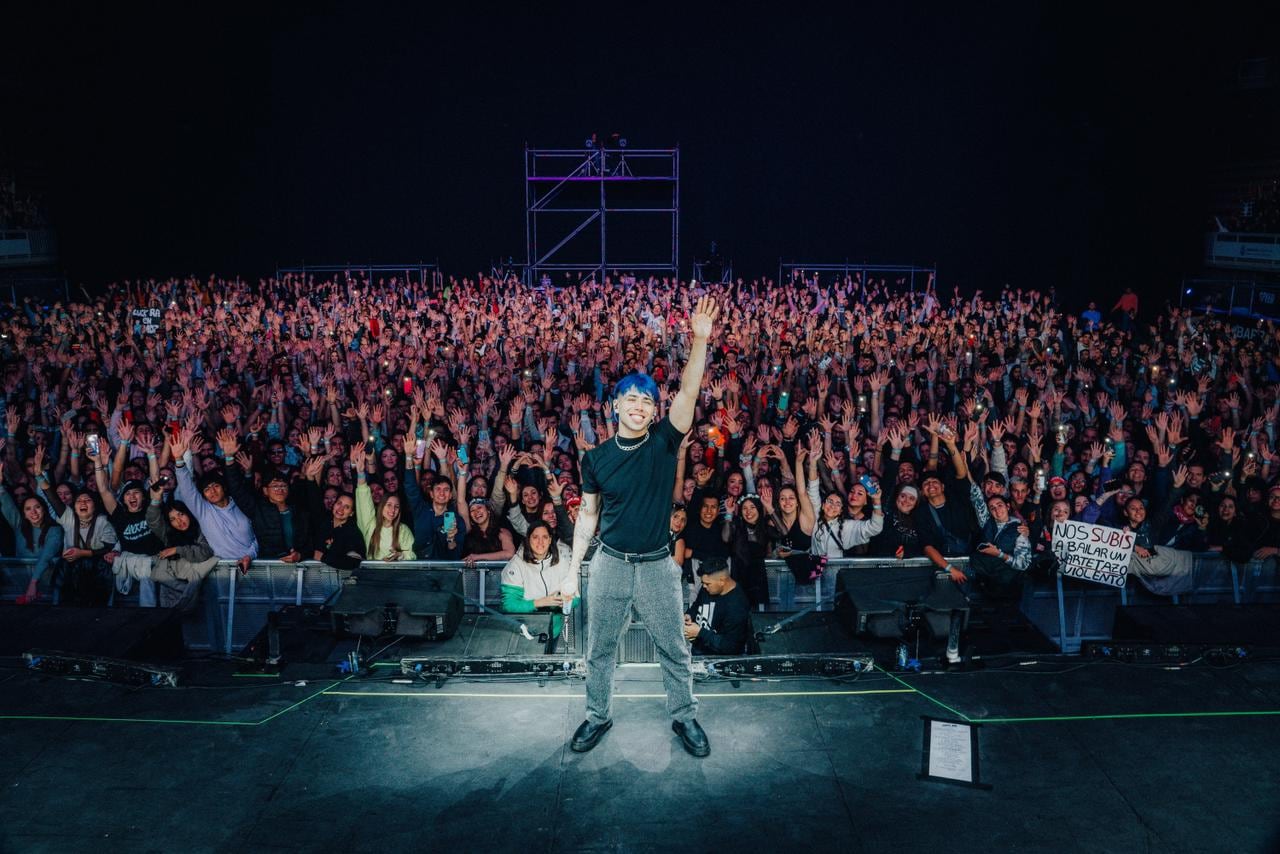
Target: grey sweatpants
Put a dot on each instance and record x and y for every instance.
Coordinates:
(654, 588)
(178, 580)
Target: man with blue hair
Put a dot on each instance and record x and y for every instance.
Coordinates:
(626, 488)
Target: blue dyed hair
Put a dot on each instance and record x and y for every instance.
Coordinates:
(637, 382)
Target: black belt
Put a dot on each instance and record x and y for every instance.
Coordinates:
(636, 557)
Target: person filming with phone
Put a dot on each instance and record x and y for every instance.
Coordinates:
(1003, 555)
(439, 530)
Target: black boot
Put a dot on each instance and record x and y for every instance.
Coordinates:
(692, 736)
(588, 736)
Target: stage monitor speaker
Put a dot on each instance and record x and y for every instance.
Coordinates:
(296, 634)
(126, 634)
(1206, 625)
(425, 603)
(944, 598)
(875, 600)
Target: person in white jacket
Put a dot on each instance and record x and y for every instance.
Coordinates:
(834, 532)
(536, 576)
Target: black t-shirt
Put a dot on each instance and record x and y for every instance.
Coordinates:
(725, 622)
(908, 532)
(705, 542)
(634, 488)
(342, 547)
(134, 533)
(951, 525)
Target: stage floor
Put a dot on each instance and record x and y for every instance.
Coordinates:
(241, 764)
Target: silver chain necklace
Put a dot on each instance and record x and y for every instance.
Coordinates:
(629, 448)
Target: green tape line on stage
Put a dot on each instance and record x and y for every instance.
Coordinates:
(559, 696)
(931, 699)
(330, 692)
(906, 688)
(99, 719)
(1128, 716)
(1068, 718)
(307, 699)
(125, 720)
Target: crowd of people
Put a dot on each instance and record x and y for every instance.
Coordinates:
(168, 425)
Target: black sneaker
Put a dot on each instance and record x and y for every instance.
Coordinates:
(588, 736)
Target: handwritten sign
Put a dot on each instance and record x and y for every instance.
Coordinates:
(148, 319)
(1093, 552)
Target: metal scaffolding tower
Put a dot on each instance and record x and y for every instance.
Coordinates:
(573, 197)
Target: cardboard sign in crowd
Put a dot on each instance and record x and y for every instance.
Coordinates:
(1093, 552)
(148, 319)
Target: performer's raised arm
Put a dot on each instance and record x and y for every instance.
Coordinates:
(700, 324)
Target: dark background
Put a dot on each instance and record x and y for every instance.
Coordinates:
(1066, 147)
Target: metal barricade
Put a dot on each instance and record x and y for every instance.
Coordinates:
(235, 604)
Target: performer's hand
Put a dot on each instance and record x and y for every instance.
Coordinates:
(691, 631)
(703, 317)
(957, 576)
